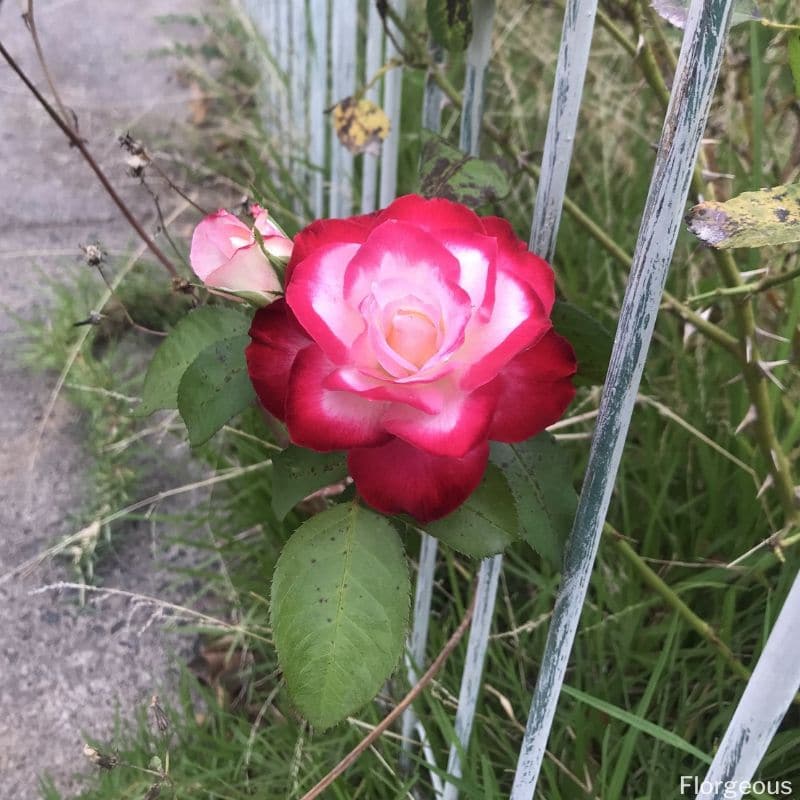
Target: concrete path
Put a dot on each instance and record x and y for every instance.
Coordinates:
(64, 671)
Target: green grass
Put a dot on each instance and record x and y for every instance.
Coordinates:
(642, 682)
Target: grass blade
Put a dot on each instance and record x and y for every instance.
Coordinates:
(636, 722)
(696, 77)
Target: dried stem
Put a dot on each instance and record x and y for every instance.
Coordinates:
(131, 321)
(30, 21)
(398, 710)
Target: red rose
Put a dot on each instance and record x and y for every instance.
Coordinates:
(410, 338)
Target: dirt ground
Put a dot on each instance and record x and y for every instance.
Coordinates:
(65, 671)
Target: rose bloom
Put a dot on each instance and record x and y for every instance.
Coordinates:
(226, 255)
(410, 338)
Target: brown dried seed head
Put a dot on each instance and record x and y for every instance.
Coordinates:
(159, 715)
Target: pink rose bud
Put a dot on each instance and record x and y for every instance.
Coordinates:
(226, 255)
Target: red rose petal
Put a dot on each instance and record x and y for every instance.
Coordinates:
(518, 320)
(315, 296)
(460, 425)
(397, 250)
(276, 340)
(398, 478)
(534, 389)
(432, 214)
(325, 419)
(329, 231)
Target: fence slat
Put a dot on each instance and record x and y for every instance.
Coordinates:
(766, 698)
(485, 596)
(418, 640)
(431, 120)
(573, 59)
(478, 52)
(318, 100)
(283, 56)
(392, 102)
(695, 79)
(298, 96)
(486, 591)
(344, 26)
(372, 62)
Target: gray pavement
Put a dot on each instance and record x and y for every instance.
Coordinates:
(66, 670)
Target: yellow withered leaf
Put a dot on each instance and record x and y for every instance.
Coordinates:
(360, 125)
(751, 219)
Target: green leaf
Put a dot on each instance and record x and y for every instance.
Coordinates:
(590, 340)
(196, 331)
(751, 219)
(486, 523)
(339, 607)
(447, 172)
(450, 23)
(643, 725)
(539, 473)
(298, 472)
(793, 53)
(214, 388)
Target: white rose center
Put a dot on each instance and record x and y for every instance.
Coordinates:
(413, 336)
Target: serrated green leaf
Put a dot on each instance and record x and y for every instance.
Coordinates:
(196, 331)
(751, 219)
(297, 472)
(486, 523)
(590, 340)
(339, 607)
(450, 23)
(447, 172)
(214, 388)
(539, 473)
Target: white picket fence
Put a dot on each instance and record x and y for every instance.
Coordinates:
(314, 48)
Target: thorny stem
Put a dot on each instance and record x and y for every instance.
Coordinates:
(655, 582)
(765, 284)
(76, 141)
(131, 321)
(153, 164)
(160, 214)
(398, 710)
(697, 623)
(754, 377)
